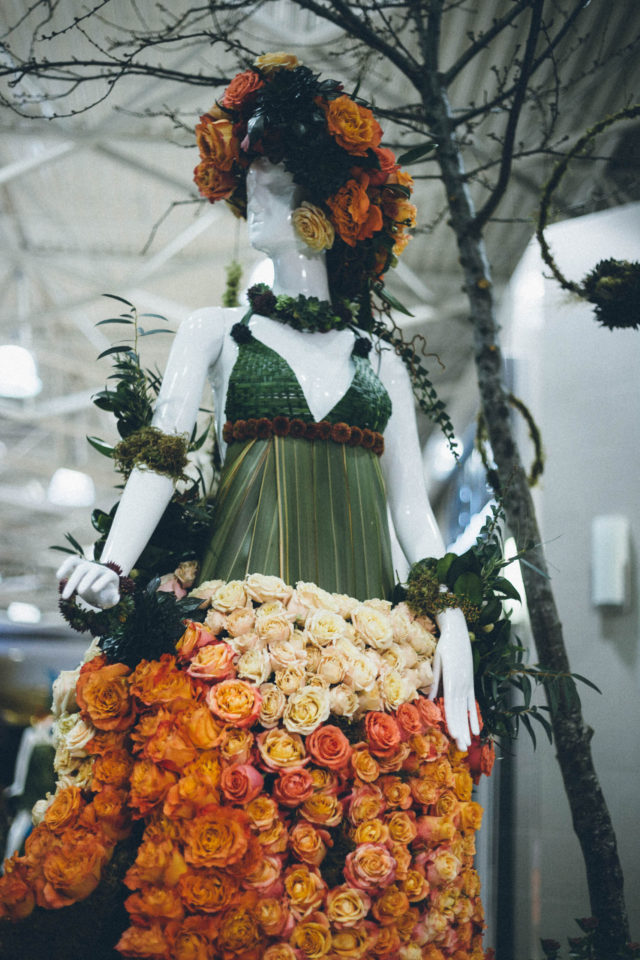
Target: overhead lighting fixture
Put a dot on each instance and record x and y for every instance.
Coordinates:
(24, 612)
(71, 488)
(18, 373)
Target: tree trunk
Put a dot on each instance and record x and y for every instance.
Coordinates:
(591, 818)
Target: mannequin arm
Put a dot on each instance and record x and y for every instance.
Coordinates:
(145, 497)
(419, 537)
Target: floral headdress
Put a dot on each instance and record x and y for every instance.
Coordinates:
(357, 206)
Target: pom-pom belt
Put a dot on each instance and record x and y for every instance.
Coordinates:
(281, 426)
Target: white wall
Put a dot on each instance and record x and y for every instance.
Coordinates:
(582, 384)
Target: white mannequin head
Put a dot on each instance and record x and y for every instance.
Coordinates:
(272, 196)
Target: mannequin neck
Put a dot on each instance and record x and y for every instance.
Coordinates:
(295, 273)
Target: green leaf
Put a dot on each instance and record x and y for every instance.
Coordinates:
(506, 587)
(73, 553)
(148, 333)
(384, 294)
(443, 566)
(546, 726)
(116, 349)
(469, 585)
(418, 152)
(112, 296)
(398, 188)
(491, 612)
(74, 543)
(526, 720)
(589, 683)
(156, 316)
(102, 323)
(105, 449)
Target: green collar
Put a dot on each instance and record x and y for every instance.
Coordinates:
(307, 314)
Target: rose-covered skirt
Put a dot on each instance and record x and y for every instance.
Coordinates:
(265, 817)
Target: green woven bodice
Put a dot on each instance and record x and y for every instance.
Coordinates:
(262, 384)
(295, 508)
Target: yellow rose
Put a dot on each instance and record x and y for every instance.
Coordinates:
(305, 890)
(313, 940)
(371, 831)
(346, 906)
(281, 750)
(268, 62)
(306, 709)
(228, 596)
(313, 226)
(350, 943)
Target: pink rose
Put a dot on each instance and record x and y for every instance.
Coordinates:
(370, 867)
(241, 783)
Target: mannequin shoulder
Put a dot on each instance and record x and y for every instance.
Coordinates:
(207, 328)
(392, 369)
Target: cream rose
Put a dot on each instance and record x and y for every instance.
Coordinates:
(240, 621)
(273, 704)
(362, 672)
(40, 807)
(346, 605)
(423, 642)
(255, 665)
(324, 627)
(288, 653)
(382, 606)
(262, 588)
(343, 700)
(395, 689)
(78, 737)
(64, 692)
(401, 619)
(373, 626)
(244, 642)
(310, 596)
(425, 675)
(228, 596)
(306, 709)
(205, 591)
(274, 627)
(369, 700)
(332, 665)
(93, 650)
(290, 679)
(313, 226)
(215, 621)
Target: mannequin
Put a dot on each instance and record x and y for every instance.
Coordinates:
(324, 369)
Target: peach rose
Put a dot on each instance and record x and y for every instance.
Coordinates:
(353, 127)
(264, 877)
(383, 732)
(216, 838)
(241, 783)
(240, 621)
(332, 665)
(213, 662)
(308, 843)
(293, 787)
(329, 747)
(313, 226)
(103, 694)
(235, 701)
(347, 906)
(195, 636)
(290, 679)
(241, 88)
(370, 867)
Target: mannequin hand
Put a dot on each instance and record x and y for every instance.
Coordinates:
(96, 584)
(453, 664)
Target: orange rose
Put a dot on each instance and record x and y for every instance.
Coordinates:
(402, 826)
(206, 891)
(275, 838)
(190, 945)
(157, 862)
(398, 209)
(462, 784)
(322, 808)
(143, 942)
(406, 923)
(262, 812)
(212, 183)
(351, 943)
(354, 216)
(347, 906)
(312, 939)
(280, 951)
(216, 142)
(16, 897)
(448, 805)
(155, 902)
(216, 838)
(308, 843)
(387, 943)
(415, 886)
(109, 809)
(353, 127)
(186, 797)
(433, 830)
(149, 785)
(113, 768)
(383, 732)
(329, 747)
(170, 746)
(371, 831)
(396, 792)
(103, 696)
(430, 711)
(206, 769)
(241, 87)
(293, 787)
(409, 719)
(388, 166)
(201, 728)
(65, 809)
(238, 931)
(470, 816)
(105, 740)
(235, 701)
(363, 764)
(72, 871)
(160, 681)
(367, 803)
(273, 917)
(236, 746)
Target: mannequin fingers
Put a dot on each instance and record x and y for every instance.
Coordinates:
(88, 580)
(103, 581)
(437, 673)
(67, 566)
(474, 720)
(72, 583)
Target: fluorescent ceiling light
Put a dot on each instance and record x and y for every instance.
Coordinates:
(23, 612)
(18, 373)
(71, 488)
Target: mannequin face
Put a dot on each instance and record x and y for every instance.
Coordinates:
(272, 196)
